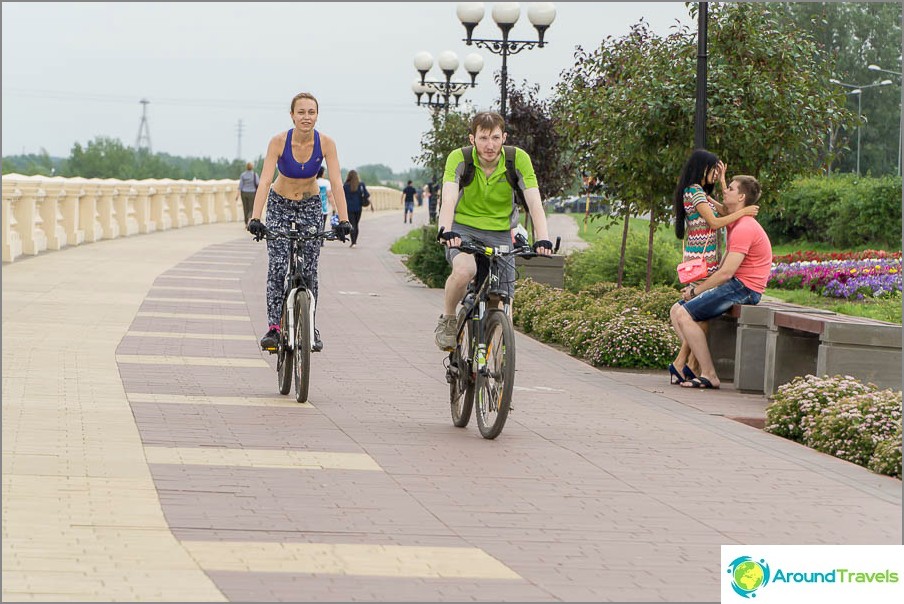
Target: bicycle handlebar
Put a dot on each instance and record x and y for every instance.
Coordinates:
(523, 250)
(300, 235)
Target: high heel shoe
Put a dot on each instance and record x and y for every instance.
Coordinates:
(674, 375)
(688, 374)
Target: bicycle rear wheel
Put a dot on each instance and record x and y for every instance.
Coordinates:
(302, 356)
(496, 382)
(461, 384)
(284, 354)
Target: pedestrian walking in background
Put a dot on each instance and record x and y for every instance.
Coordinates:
(248, 183)
(408, 195)
(356, 198)
(432, 200)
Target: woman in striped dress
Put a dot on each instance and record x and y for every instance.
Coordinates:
(700, 216)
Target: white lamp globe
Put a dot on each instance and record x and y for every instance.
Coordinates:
(542, 13)
(423, 61)
(506, 13)
(448, 61)
(473, 63)
(470, 12)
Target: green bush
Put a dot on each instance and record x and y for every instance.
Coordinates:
(599, 289)
(428, 262)
(797, 404)
(886, 458)
(659, 301)
(599, 262)
(633, 339)
(852, 427)
(844, 210)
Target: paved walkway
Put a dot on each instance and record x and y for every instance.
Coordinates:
(147, 455)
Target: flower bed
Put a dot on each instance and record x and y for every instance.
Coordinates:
(811, 256)
(848, 279)
(842, 417)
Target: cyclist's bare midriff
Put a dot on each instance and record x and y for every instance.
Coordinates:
(296, 188)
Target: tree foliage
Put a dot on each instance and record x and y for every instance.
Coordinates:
(627, 108)
(447, 131)
(851, 36)
(531, 125)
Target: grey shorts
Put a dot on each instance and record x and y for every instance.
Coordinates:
(506, 284)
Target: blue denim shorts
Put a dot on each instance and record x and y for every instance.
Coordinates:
(714, 302)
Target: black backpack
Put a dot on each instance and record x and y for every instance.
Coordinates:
(511, 175)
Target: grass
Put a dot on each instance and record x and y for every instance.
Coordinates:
(408, 243)
(596, 230)
(887, 309)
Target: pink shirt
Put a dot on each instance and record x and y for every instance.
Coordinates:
(747, 237)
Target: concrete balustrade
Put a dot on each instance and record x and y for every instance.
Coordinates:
(43, 213)
(384, 198)
(51, 213)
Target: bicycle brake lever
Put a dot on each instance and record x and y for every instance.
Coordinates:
(558, 243)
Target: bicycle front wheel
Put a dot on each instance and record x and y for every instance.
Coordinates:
(496, 382)
(284, 354)
(302, 355)
(461, 385)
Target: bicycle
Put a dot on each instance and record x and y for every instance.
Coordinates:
(482, 364)
(296, 321)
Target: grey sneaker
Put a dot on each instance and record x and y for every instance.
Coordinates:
(445, 332)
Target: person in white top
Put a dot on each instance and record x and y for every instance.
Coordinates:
(327, 205)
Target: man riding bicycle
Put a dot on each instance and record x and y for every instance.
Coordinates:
(486, 208)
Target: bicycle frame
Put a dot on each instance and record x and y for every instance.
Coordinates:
(294, 279)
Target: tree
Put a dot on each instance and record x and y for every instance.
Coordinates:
(851, 36)
(532, 127)
(447, 131)
(627, 108)
(104, 157)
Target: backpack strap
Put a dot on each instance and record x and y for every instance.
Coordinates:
(511, 175)
(467, 174)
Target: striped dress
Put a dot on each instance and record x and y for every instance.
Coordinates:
(698, 232)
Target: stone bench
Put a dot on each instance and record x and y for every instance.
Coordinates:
(763, 346)
(801, 343)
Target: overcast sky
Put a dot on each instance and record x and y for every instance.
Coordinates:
(74, 71)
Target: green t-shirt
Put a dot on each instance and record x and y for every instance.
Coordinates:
(487, 203)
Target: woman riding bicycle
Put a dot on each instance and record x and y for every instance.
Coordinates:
(483, 209)
(295, 197)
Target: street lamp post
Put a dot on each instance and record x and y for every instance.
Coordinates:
(858, 90)
(900, 129)
(443, 89)
(505, 14)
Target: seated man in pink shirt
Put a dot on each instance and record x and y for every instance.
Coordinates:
(741, 279)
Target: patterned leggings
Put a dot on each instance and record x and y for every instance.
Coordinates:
(280, 214)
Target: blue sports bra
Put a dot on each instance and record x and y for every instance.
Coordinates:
(290, 168)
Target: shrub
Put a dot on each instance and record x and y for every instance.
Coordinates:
(796, 404)
(599, 262)
(532, 301)
(599, 289)
(845, 210)
(428, 262)
(852, 427)
(579, 334)
(633, 339)
(886, 458)
(659, 301)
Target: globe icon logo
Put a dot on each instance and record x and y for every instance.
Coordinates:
(748, 575)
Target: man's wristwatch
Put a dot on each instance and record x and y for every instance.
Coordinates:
(693, 292)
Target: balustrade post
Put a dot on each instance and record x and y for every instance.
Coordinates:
(106, 208)
(34, 241)
(70, 193)
(124, 202)
(51, 218)
(12, 241)
(140, 190)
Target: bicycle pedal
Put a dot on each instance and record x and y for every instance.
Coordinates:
(271, 350)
